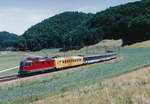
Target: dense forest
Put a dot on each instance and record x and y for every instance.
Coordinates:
(129, 22)
(7, 40)
(51, 32)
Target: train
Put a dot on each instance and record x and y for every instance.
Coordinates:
(33, 65)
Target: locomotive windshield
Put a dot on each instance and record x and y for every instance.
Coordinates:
(26, 64)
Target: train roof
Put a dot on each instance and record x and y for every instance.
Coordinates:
(29, 59)
(107, 53)
(74, 57)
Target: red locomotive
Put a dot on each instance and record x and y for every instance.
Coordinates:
(31, 65)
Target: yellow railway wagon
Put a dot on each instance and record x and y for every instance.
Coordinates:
(63, 62)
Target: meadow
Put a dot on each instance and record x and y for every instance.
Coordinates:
(129, 88)
(62, 82)
(32, 90)
(10, 60)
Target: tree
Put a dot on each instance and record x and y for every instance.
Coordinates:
(21, 44)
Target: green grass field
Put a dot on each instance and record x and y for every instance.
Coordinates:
(133, 59)
(9, 60)
(129, 88)
(28, 91)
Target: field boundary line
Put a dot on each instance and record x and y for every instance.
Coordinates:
(9, 69)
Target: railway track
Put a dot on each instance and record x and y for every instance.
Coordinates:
(9, 78)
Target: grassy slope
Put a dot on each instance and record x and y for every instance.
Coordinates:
(145, 44)
(60, 84)
(126, 89)
(53, 85)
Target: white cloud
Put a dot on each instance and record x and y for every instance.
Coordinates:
(17, 20)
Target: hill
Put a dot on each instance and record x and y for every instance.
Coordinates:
(51, 32)
(7, 40)
(129, 22)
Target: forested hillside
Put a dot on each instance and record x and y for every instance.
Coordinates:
(7, 40)
(51, 32)
(129, 22)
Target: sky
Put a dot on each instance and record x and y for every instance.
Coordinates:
(16, 16)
